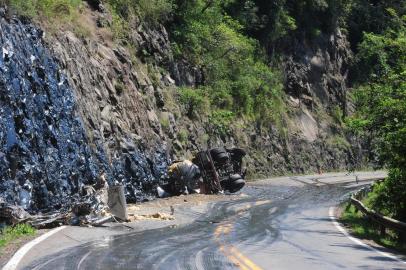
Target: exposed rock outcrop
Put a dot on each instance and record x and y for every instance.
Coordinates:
(74, 109)
(316, 72)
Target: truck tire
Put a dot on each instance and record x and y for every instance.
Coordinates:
(219, 155)
(238, 152)
(234, 177)
(236, 185)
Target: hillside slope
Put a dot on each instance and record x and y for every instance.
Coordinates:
(120, 112)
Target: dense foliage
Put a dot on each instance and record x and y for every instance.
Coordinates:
(238, 80)
(381, 115)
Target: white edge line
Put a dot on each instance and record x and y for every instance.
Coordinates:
(15, 260)
(357, 241)
(83, 259)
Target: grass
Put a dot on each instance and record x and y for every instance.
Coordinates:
(10, 234)
(338, 141)
(362, 228)
(183, 135)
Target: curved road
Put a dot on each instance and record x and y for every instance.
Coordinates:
(281, 224)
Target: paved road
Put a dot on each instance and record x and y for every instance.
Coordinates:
(281, 223)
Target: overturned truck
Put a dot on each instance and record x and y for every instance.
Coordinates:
(209, 172)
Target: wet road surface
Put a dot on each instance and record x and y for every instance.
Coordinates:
(279, 224)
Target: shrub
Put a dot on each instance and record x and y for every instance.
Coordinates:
(183, 135)
(194, 100)
(50, 9)
(220, 122)
(237, 78)
(9, 234)
(153, 11)
(381, 113)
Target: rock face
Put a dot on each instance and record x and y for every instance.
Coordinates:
(111, 101)
(316, 73)
(76, 110)
(44, 154)
(54, 141)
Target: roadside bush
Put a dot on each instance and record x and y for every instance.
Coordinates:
(381, 110)
(220, 122)
(389, 197)
(194, 101)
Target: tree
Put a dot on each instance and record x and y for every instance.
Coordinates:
(381, 104)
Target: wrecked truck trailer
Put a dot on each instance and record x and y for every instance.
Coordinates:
(222, 169)
(209, 172)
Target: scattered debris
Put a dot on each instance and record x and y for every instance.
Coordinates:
(117, 202)
(13, 214)
(157, 216)
(91, 210)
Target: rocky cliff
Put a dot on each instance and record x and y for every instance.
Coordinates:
(76, 109)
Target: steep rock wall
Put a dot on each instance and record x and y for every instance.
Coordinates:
(99, 109)
(50, 148)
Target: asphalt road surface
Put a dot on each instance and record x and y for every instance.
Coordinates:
(281, 223)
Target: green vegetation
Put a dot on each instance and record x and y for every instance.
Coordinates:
(361, 227)
(183, 135)
(339, 141)
(50, 9)
(152, 11)
(220, 122)
(195, 101)
(237, 78)
(9, 234)
(381, 103)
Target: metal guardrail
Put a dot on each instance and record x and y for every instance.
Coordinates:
(383, 221)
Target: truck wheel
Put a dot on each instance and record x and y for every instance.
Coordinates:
(236, 185)
(219, 155)
(234, 177)
(238, 152)
(217, 151)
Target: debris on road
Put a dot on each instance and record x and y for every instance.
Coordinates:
(213, 171)
(91, 210)
(156, 216)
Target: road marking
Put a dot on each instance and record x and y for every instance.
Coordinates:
(357, 241)
(237, 262)
(232, 252)
(18, 256)
(244, 259)
(82, 260)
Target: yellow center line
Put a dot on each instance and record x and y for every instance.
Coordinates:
(231, 252)
(244, 259)
(235, 261)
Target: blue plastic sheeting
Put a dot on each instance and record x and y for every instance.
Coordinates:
(45, 157)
